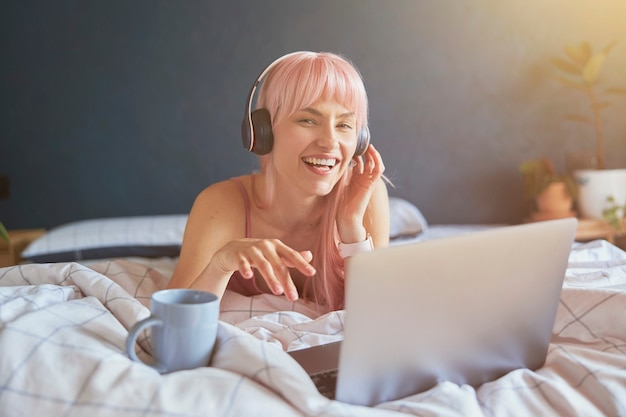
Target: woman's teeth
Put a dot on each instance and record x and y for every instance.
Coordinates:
(320, 162)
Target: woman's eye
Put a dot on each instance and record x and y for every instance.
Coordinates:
(307, 121)
(345, 126)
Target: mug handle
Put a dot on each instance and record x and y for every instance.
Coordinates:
(133, 334)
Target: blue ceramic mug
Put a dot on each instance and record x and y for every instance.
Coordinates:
(183, 329)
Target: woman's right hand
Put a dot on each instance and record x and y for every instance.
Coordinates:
(270, 257)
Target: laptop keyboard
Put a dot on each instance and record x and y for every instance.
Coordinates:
(326, 383)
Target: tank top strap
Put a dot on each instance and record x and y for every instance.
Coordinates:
(237, 283)
(246, 202)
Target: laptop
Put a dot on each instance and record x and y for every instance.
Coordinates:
(466, 309)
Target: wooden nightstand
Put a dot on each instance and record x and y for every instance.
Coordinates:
(590, 229)
(20, 238)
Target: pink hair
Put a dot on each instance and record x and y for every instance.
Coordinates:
(294, 83)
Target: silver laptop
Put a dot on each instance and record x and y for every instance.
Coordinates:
(466, 309)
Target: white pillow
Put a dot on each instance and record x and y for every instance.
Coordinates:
(145, 236)
(405, 219)
(156, 236)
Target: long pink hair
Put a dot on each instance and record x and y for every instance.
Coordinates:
(294, 83)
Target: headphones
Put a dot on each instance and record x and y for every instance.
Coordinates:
(256, 128)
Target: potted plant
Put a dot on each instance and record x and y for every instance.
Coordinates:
(4, 234)
(553, 194)
(580, 70)
(614, 214)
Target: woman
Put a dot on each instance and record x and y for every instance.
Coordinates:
(287, 229)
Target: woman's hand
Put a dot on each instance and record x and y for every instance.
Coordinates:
(270, 257)
(366, 174)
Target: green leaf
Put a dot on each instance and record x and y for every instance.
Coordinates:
(571, 83)
(616, 90)
(579, 54)
(600, 106)
(593, 67)
(4, 234)
(566, 66)
(578, 118)
(610, 214)
(610, 46)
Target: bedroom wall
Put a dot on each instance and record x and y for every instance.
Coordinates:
(126, 108)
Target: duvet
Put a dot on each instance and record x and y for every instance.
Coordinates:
(63, 328)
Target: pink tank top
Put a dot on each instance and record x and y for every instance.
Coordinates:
(238, 283)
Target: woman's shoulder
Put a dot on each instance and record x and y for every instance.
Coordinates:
(220, 203)
(223, 193)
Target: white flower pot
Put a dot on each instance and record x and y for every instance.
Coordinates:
(595, 186)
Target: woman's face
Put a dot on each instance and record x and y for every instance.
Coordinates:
(314, 146)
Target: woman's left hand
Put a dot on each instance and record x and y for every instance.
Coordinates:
(366, 174)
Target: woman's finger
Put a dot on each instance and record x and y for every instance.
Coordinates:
(272, 259)
(245, 269)
(301, 261)
(379, 166)
(270, 266)
(358, 164)
(276, 260)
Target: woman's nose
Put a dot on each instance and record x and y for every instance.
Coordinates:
(328, 137)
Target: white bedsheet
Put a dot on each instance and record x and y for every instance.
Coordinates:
(63, 329)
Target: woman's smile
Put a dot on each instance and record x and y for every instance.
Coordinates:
(321, 165)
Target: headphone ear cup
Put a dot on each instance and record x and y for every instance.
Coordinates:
(362, 141)
(263, 137)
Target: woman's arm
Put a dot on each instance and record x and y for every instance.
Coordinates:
(214, 247)
(365, 209)
(376, 219)
(210, 226)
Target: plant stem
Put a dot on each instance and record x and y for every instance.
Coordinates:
(597, 116)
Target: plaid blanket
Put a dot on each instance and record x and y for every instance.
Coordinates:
(63, 329)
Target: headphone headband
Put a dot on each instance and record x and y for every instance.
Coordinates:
(247, 129)
(256, 127)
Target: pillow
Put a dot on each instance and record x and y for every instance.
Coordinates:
(157, 236)
(405, 219)
(145, 236)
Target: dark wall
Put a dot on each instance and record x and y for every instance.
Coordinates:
(116, 108)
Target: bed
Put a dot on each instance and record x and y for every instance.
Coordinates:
(64, 319)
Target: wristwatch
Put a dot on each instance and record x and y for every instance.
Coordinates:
(348, 249)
